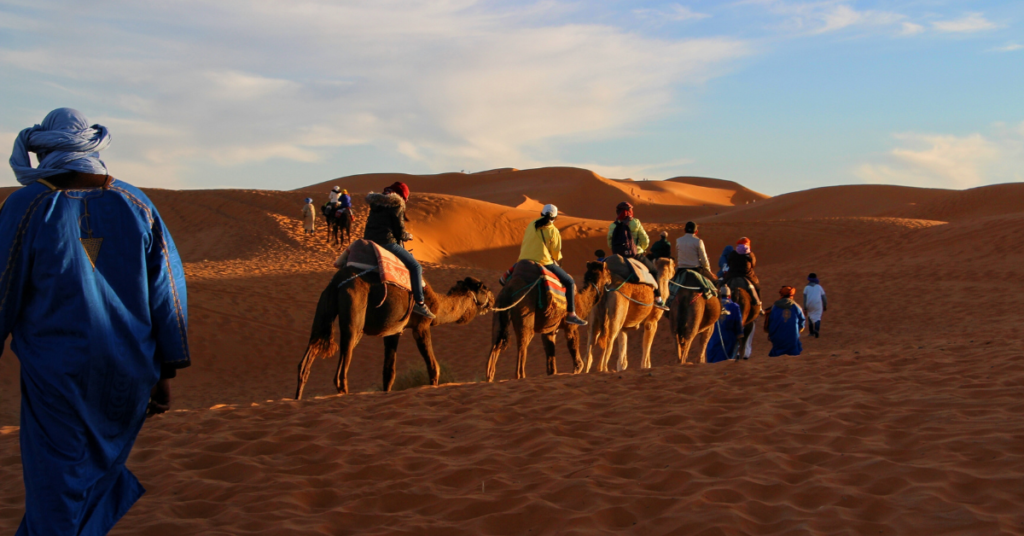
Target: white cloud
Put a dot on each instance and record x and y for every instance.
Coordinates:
(448, 84)
(1008, 47)
(826, 15)
(972, 22)
(946, 161)
(675, 12)
(909, 28)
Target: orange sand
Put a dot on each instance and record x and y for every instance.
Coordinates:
(904, 418)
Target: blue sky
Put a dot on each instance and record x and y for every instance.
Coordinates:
(778, 95)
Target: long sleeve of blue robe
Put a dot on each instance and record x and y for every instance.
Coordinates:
(785, 321)
(93, 295)
(726, 331)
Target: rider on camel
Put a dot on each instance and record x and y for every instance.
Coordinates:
(741, 264)
(332, 198)
(627, 237)
(542, 243)
(385, 226)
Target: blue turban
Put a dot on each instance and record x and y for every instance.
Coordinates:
(309, 200)
(64, 142)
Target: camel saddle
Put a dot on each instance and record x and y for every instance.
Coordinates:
(745, 284)
(691, 279)
(529, 272)
(364, 255)
(630, 270)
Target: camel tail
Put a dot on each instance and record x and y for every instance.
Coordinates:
(321, 338)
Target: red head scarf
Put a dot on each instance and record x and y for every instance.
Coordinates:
(624, 211)
(399, 188)
(787, 292)
(745, 241)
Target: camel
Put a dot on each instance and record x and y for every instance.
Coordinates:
(627, 306)
(524, 317)
(692, 317)
(339, 226)
(350, 297)
(743, 298)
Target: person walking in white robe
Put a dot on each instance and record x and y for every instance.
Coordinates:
(815, 303)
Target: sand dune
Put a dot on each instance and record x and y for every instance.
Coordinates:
(902, 419)
(884, 201)
(577, 192)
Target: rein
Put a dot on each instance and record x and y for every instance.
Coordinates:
(616, 289)
(526, 288)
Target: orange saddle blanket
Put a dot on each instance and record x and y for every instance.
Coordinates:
(366, 255)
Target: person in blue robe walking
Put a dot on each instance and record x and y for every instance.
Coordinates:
(722, 345)
(784, 323)
(93, 295)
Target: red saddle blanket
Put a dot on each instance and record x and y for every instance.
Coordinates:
(366, 255)
(530, 271)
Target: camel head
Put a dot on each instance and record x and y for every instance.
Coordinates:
(597, 275)
(478, 291)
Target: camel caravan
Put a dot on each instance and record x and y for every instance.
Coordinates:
(379, 290)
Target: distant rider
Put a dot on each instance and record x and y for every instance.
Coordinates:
(741, 264)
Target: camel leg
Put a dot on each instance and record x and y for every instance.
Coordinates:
(650, 328)
(611, 336)
(549, 350)
(426, 348)
(348, 344)
(572, 339)
(305, 366)
(524, 334)
(623, 363)
(702, 339)
(390, 360)
(523, 341)
(499, 341)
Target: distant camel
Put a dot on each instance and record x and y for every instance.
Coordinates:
(527, 320)
(693, 317)
(339, 226)
(352, 303)
(750, 310)
(627, 306)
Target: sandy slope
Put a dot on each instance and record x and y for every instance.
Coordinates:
(577, 192)
(903, 419)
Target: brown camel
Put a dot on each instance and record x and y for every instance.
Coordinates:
(353, 303)
(692, 317)
(751, 311)
(527, 320)
(628, 306)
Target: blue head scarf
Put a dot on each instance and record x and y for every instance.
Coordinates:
(64, 142)
(309, 200)
(725, 257)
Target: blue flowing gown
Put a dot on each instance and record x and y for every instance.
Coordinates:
(93, 294)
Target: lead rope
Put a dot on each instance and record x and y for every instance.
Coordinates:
(526, 288)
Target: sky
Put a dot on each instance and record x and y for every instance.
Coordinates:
(777, 95)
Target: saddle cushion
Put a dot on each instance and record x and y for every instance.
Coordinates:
(692, 280)
(630, 269)
(366, 255)
(529, 272)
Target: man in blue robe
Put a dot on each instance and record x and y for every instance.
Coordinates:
(722, 345)
(93, 294)
(784, 323)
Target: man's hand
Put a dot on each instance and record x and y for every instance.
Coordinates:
(159, 398)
